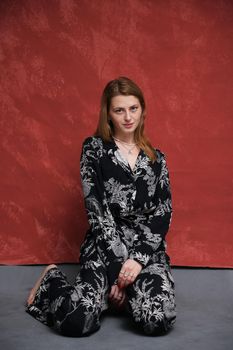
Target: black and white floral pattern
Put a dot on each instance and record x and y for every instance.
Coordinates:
(129, 213)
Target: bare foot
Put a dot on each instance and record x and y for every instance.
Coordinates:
(32, 294)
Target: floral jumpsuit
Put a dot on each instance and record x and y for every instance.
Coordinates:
(129, 213)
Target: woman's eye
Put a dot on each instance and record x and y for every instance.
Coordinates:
(118, 110)
(134, 108)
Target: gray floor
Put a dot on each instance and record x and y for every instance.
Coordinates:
(204, 303)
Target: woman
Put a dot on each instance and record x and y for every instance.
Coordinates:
(123, 260)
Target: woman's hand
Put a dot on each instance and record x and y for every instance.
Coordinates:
(129, 272)
(117, 296)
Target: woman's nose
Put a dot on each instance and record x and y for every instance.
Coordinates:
(127, 115)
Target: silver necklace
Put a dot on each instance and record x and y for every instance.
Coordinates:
(129, 150)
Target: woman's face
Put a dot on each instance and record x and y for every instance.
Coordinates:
(125, 113)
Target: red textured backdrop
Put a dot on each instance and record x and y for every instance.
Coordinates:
(55, 58)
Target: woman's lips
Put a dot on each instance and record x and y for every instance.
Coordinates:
(128, 125)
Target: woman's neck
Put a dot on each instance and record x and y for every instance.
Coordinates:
(124, 138)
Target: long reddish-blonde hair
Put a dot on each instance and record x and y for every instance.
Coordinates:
(123, 86)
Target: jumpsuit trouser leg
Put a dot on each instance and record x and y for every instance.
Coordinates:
(72, 310)
(151, 300)
(75, 310)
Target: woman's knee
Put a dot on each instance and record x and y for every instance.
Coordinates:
(153, 325)
(77, 325)
(157, 327)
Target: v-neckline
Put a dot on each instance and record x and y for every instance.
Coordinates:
(125, 161)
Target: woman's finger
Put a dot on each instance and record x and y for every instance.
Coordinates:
(116, 295)
(121, 302)
(130, 279)
(120, 295)
(129, 272)
(121, 280)
(113, 291)
(120, 298)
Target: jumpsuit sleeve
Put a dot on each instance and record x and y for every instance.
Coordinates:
(101, 221)
(152, 229)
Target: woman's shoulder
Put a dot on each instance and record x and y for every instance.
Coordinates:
(160, 156)
(93, 142)
(93, 147)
